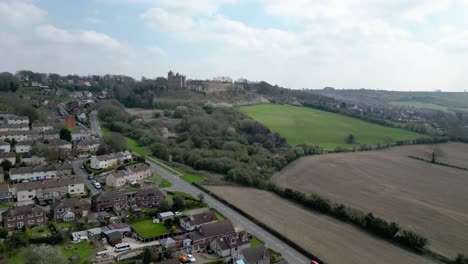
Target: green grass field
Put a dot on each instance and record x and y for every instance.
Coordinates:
(328, 130)
(165, 183)
(146, 228)
(420, 105)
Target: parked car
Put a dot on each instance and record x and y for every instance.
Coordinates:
(191, 258)
(82, 167)
(90, 177)
(122, 247)
(97, 185)
(184, 259)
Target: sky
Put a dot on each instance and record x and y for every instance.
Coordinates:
(406, 45)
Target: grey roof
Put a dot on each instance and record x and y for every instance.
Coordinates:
(23, 210)
(4, 143)
(25, 143)
(233, 240)
(132, 170)
(68, 203)
(60, 142)
(7, 155)
(51, 167)
(202, 218)
(53, 183)
(217, 228)
(255, 254)
(102, 196)
(149, 192)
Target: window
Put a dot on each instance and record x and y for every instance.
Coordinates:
(39, 220)
(39, 214)
(11, 218)
(19, 217)
(31, 215)
(60, 210)
(72, 190)
(30, 222)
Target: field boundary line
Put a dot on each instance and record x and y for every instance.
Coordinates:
(438, 163)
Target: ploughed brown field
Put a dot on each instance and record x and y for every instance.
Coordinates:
(329, 239)
(431, 200)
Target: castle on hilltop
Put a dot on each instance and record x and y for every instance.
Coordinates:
(176, 81)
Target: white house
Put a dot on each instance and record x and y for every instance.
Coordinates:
(42, 127)
(106, 161)
(49, 189)
(5, 146)
(23, 146)
(41, 172)
(193, 222)
(131, 174)
(18, 120)
(80, 135)
(14, 127)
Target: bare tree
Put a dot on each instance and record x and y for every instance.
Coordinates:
(435, 152)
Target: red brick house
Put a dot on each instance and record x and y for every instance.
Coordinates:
(27, 215)
(150, 197)
(70, 209)
(107, 201)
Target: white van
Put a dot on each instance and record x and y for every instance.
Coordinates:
(122, 247)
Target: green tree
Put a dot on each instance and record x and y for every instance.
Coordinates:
(147, 258)
(178, 203)
(350, 139)
(65, 134)
(116, 142)
(44, 254)
(3, 232)
(160, 151)
(6, 165)
(17, 240)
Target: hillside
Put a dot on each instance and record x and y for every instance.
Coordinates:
(329, 130)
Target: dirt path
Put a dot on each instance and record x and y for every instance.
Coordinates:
(329, 239)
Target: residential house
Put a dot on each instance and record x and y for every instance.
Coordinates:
(60, 144)
(42, 127)
(13, 127)
(209, 232)
(6, 195)
(229, 246)
(49, 189)
(149, 197)
(69, 209)
(23, 146)
(20, 135)
(10, 156)
(87, 146)
(132, 174)
(81, 134)
(106, 201)
(110, 160)
(33, 160)
(194, 222)
(17, 120)
(255, 255)
(51, 135)
(165, 215)
(28, 215)
(42, 172)
(4, 146)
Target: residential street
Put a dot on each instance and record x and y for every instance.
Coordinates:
(290, 254)
(82, 173)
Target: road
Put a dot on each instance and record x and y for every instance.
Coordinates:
(94, 121)
(82, 173)
(290, 254)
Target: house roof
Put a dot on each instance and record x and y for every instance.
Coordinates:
(149, 192)
(233, 240)
(68, 203)
(7, 155)
(25, 143)
(13, 125)
(118, 155)
(166, 214)
(23, 210)
(18, 132)
(217, 228)
(90, 142)
(202, 218)
(51, 167)
(4, 187)
(53, 183)
(4, 143)
(130, 171)
(102, 196)
(1, 170)
(255, 254)
(59, 142)
(15, 117)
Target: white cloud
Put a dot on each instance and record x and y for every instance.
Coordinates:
(54, 34)
(93, 20)
(157, 51)
(98, 39)
(187, 6)
(17, 13)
